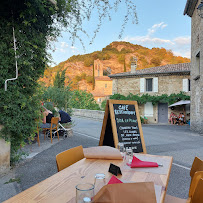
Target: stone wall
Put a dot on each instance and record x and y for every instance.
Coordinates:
(4, 155)
(197, 83)
(98, 115)
(166, 85)
(104, 86)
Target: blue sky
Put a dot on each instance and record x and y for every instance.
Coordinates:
(160, 24)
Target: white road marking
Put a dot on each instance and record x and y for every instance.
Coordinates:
(181, 166)
(99, 139)
(86, 135)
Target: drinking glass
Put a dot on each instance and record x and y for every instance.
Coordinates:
(99, 182)
(129, 155)
(121, 148)
(84, 192)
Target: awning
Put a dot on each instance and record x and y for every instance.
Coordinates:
(182, 102)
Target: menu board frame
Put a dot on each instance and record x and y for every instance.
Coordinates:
(112, 137)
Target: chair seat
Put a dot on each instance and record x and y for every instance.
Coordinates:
(172, 199)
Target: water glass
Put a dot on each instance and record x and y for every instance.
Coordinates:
(84, 192)
(99, 182)
(121, 148)
(129, 155)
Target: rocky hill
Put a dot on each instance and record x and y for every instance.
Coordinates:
(116, 56)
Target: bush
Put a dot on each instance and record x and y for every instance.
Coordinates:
(141, 119)
(83, 76)
(59, 96)
(88, 61)
(103, 105)
(89, 79)
(83, 100)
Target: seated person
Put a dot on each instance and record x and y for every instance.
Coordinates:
(46, 121)
(181, 118)
(64, 117)
(172, 118)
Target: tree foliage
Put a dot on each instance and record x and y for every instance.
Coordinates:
(83, 100)
(59, 80)
(37, 23)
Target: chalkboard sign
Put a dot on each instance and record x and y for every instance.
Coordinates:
(122, 124)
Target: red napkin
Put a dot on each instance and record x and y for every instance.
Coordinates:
(137, 163)
(114, 180)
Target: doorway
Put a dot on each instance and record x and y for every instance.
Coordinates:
(162, 113)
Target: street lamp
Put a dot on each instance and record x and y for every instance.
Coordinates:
(200, 9)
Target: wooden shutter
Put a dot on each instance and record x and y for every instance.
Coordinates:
(148, 109)
(155, 84)
(142, 84)
(185, 85)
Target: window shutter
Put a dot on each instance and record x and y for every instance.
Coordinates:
(142, 81)
(155, 84)
(148, 109)
(185, 85)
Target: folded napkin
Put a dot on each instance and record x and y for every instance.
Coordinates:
(137, 163)
(114, 180)
(102, 152)
(126, 192)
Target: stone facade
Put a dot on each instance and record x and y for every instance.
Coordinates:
(196, 66)
(167, 84)
(169, 80)
(4, 155)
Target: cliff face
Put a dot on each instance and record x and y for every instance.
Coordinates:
(115, 57)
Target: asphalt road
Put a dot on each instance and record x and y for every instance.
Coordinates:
(176, 141)
(169, 140)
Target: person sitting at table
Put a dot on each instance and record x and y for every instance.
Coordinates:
(181, 118)
(47, 116)
(172, 118)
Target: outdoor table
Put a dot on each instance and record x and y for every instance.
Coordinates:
(61, 186)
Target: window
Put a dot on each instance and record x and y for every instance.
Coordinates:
(99, 99)
(198, 63)
(105, 85)
(149, 85)
(197, 67)
(189, 85)
(186, 85)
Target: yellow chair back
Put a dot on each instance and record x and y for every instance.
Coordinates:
(54, 121)
(196, 166)
(197, 197)
(69, 157)
(197, 176)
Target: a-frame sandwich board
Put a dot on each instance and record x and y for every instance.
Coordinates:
(122, 123)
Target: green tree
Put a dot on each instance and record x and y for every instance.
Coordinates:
(93, 79)
(36, 24)
(124, 68)
(83, 100)
(59, 80)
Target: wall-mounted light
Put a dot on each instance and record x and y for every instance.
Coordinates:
(200, 9)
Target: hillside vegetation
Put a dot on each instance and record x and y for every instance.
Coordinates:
(117, 56)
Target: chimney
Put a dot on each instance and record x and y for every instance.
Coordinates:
(133, 65)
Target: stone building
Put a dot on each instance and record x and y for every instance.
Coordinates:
(196, 65)
(103, 84)
(160, 80)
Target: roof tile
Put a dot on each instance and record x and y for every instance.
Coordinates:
(170, 68)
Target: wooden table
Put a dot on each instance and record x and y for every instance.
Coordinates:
(61, 186)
